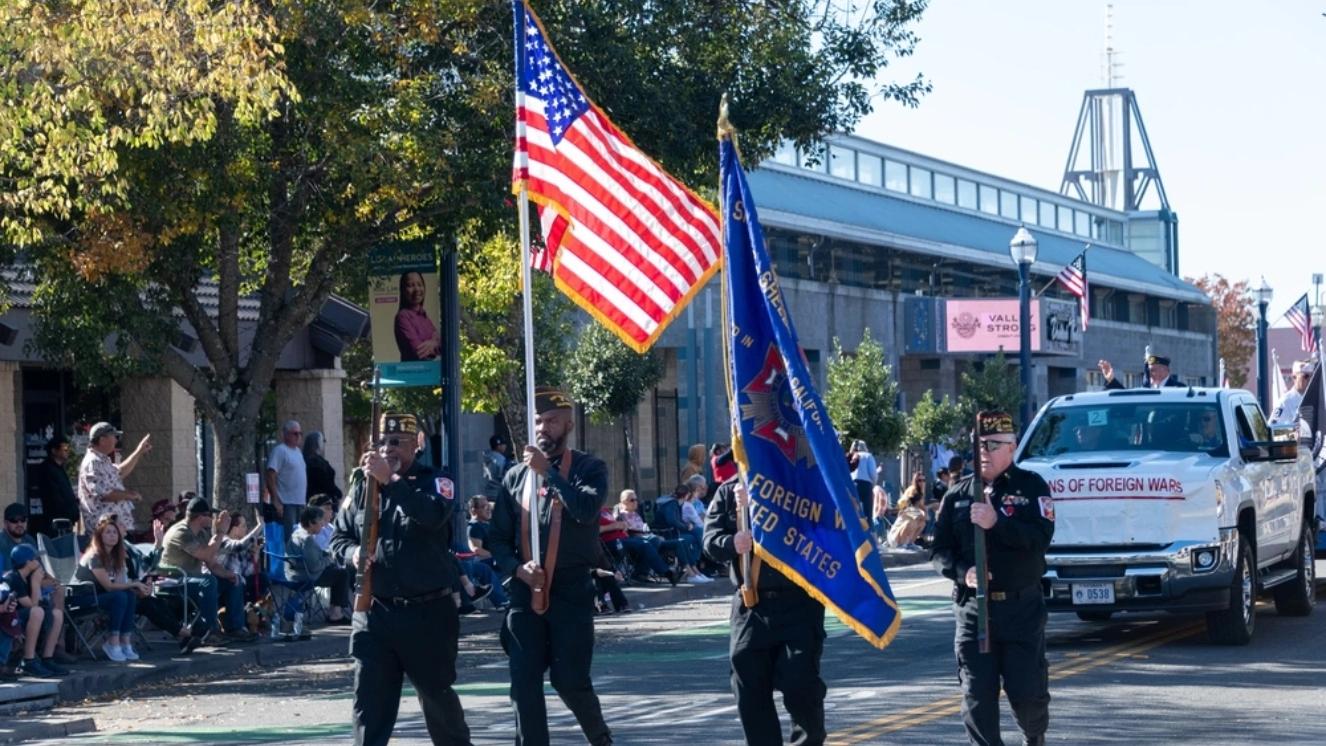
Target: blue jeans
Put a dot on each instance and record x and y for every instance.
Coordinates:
(645, 553)
(481, 574)
(121, 607)
(207, 592)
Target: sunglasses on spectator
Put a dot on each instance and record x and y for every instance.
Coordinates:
(21, 519)
(393, 442)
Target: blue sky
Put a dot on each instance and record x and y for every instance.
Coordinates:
(1233, 95)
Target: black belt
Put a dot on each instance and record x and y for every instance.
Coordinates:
(1015, 595)
(422, 598)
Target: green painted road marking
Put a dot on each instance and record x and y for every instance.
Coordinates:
(276, 734)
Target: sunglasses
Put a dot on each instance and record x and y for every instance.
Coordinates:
(17, 520)
(392, 442)
(990, 446)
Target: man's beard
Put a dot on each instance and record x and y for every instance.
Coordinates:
(548, 445)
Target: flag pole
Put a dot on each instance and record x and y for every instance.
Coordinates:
(527, 290)
(726, 131)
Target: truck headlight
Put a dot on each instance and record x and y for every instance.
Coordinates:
(1204, 560)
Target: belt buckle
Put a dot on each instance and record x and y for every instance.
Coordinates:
(998, 596)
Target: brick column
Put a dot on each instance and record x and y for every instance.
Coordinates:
(163, 408)
(313, 398)
(13, 470)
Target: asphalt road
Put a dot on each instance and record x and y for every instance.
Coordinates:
(663, 678)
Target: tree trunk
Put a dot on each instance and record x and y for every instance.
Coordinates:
(632, 474)
(234, 458)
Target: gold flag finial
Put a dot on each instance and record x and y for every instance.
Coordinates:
(725, 129)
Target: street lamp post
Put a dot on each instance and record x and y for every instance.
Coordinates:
(1023, 250)
(1263, 295)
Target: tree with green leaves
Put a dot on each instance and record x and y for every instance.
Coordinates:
(251, 152)
(933, 422)
(609, 382)
(993, 386)
(861, 397)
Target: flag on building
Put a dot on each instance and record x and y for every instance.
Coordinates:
(1074, 279)
(1300, 317)
(810, 527)
(622, 238)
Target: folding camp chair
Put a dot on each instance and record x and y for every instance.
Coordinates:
(87, 620)
(289, 597)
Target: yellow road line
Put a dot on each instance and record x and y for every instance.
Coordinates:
(949, 706)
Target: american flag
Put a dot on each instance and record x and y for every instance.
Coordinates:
(1074, 279)
(1300, 317)
(623, 239)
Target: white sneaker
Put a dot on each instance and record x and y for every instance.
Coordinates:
(698, 579)
(128, 652)
(113, 652)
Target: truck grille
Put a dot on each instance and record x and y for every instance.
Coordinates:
(1091, 571)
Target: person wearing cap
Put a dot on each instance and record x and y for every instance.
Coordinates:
(1013, 506)
(1285, 411)
(412, 626)
(550, 625)
(15, 534)
(287, 477)
(53, 487)
(101, 487)
(195, 543)
(776, 643)
(25, 579)
(495, 464)
(1157, 374)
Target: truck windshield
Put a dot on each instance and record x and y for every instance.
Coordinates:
(1129, 426)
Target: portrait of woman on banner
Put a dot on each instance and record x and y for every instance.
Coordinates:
(417, 336)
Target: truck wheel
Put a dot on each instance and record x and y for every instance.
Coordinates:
(1233, 626)
(1297, 597)
(1094, 616)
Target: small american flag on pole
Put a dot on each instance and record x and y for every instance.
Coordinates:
(1074, 279)
(1300, 317)
(622, 238)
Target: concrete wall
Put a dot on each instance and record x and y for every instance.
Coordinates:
(162, 408)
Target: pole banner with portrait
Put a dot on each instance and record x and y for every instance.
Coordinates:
(404, 312)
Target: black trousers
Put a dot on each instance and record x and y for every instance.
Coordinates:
(1017, 657)
(777, 645)
(560, 642)
(419, 640)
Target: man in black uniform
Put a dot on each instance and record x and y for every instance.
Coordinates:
(412, 627)
(775, 644)
(550, 625)
(1157, 371)
(1019, 522)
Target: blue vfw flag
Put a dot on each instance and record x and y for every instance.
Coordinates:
(805, 518)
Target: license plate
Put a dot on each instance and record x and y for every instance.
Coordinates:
(1085, 594)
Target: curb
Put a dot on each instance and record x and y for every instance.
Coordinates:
(34, 730)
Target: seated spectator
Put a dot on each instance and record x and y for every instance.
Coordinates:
(608, 595)
(483, 581)
(481, 512)
(25, 581)
(105, 564)
(880, 512)
(192, 545)
(911, 522)
(328, 505)
(671, 525)
(238, 555)
(636, 538)
(942, 483)
(317, 566)
(11, 629)
(15, 534)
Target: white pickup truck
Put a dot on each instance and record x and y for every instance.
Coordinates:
(1174, 499)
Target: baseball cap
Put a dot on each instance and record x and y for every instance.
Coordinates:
(101, 430)
(21, 555)
(199, 506)
(14, 511)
